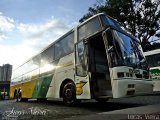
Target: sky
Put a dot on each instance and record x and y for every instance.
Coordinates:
(28, 26)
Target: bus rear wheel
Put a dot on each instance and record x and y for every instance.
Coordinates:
(24, 100)
(69, 94)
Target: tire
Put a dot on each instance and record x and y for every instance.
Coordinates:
(69, 94)
(23, 99)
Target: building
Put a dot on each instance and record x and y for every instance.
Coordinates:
(0, 73)
(5, 78)
(5, 72)
(4, 89)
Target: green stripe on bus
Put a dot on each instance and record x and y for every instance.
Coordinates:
(42, 87)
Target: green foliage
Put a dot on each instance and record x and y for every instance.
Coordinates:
(141, 17)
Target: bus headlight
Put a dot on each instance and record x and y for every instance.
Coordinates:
(120, 74)
(124, 74)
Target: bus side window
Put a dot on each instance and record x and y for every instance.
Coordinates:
(58, 50)
(89, 28)
(68, 43)
(64, 46)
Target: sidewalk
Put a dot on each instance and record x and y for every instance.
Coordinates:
(150, 112)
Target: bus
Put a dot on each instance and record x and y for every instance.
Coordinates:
(98, 59)
(153, 59)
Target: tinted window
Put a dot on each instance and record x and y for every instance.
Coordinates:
(64, 46)
(68, 43)
(27, 67)
(81, 59)
(17, 73)
(109, 21)
(36, 62)
(89, 28)
(58, 50)
(27, 76)
(47, 56)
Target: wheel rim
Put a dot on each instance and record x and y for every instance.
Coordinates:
(69, 95)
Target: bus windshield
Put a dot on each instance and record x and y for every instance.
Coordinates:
(126, 51)
(108, 21)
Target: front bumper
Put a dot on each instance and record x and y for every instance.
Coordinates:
(128, 87)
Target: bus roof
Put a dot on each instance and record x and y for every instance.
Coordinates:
(90, 18)
(152, 52)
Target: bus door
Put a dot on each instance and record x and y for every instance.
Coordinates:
(81, 71)
(100, 82)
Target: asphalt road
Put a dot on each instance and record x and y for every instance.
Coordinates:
(50, 110)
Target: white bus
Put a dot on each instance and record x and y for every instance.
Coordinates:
(153, 59)
(97, 59)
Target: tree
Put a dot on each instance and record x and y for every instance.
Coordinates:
(141, 17)
(148, 22)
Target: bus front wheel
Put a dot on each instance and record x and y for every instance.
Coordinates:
(69, 94)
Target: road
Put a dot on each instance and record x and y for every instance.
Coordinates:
(57, 110)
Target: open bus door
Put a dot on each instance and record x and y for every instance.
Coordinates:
(92, 69)
(81, 71)
(100, 81)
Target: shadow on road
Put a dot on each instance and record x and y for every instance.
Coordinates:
(92, 105)
(111, 105)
